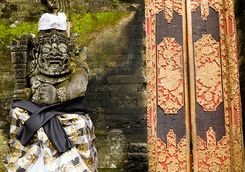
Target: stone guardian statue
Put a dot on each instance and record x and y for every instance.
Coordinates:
(50, 130)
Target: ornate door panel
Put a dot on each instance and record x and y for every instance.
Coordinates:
(193, 86)
(168, 116)
(214, 88)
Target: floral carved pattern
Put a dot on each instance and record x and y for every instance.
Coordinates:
(213, 155)
(151, 82)
(169, 6)
(215, 4)
(172, 156)
(208, 73)
(170, 76)
(152, 156)
(235, 104)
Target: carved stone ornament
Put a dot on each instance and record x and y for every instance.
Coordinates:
(53, 54)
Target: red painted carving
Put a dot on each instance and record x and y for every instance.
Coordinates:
(204, 4)
(169, 6)
(208, 73)
(213, 155)
(172, 156)
(170, 76)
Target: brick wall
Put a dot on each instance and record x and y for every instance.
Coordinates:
(116, 92)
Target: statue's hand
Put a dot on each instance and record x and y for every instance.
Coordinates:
(47, 94)
(22, 94)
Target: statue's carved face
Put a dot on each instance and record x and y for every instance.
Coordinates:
(53, 58)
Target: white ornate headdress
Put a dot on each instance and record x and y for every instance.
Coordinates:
(52, 21)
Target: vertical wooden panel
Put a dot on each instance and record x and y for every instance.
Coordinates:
(201, 87)
(214, 88)
(150, 27)
(168, 111)
(237, 151)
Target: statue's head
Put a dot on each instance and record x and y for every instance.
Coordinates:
(53, 48)
(53, 53)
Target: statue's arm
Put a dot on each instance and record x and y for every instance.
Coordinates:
(76, 86)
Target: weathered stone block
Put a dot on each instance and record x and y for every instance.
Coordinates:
(112, 149)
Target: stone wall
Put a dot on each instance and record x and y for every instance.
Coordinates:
(116, 91)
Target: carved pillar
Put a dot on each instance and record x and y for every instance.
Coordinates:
(168, 107)
(214, 86)
(193, 86)
(19, 55)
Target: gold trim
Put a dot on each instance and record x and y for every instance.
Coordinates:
(237, 151)
(151, 82)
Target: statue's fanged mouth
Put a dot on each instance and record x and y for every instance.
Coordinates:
(53, 66)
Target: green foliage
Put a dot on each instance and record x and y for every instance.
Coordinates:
(84, 24)
(7, 33)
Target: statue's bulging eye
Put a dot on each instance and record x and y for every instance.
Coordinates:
(45, 50)
(62, 49)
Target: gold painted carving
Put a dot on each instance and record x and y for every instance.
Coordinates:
(170, 76)
(149, 8)
(215, 4)
(168, 10)
(195, 4)
(204, 5)
(152, 155)
(235, 102)
(171, 156)
(151, 82)
(169, 6)
(213, 155)
(208, 73)
(204, 9)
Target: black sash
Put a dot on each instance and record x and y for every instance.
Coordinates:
(45, 116)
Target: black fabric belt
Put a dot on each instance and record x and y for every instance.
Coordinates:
(45, 116)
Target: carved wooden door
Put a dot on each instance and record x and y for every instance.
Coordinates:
(194, 110)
